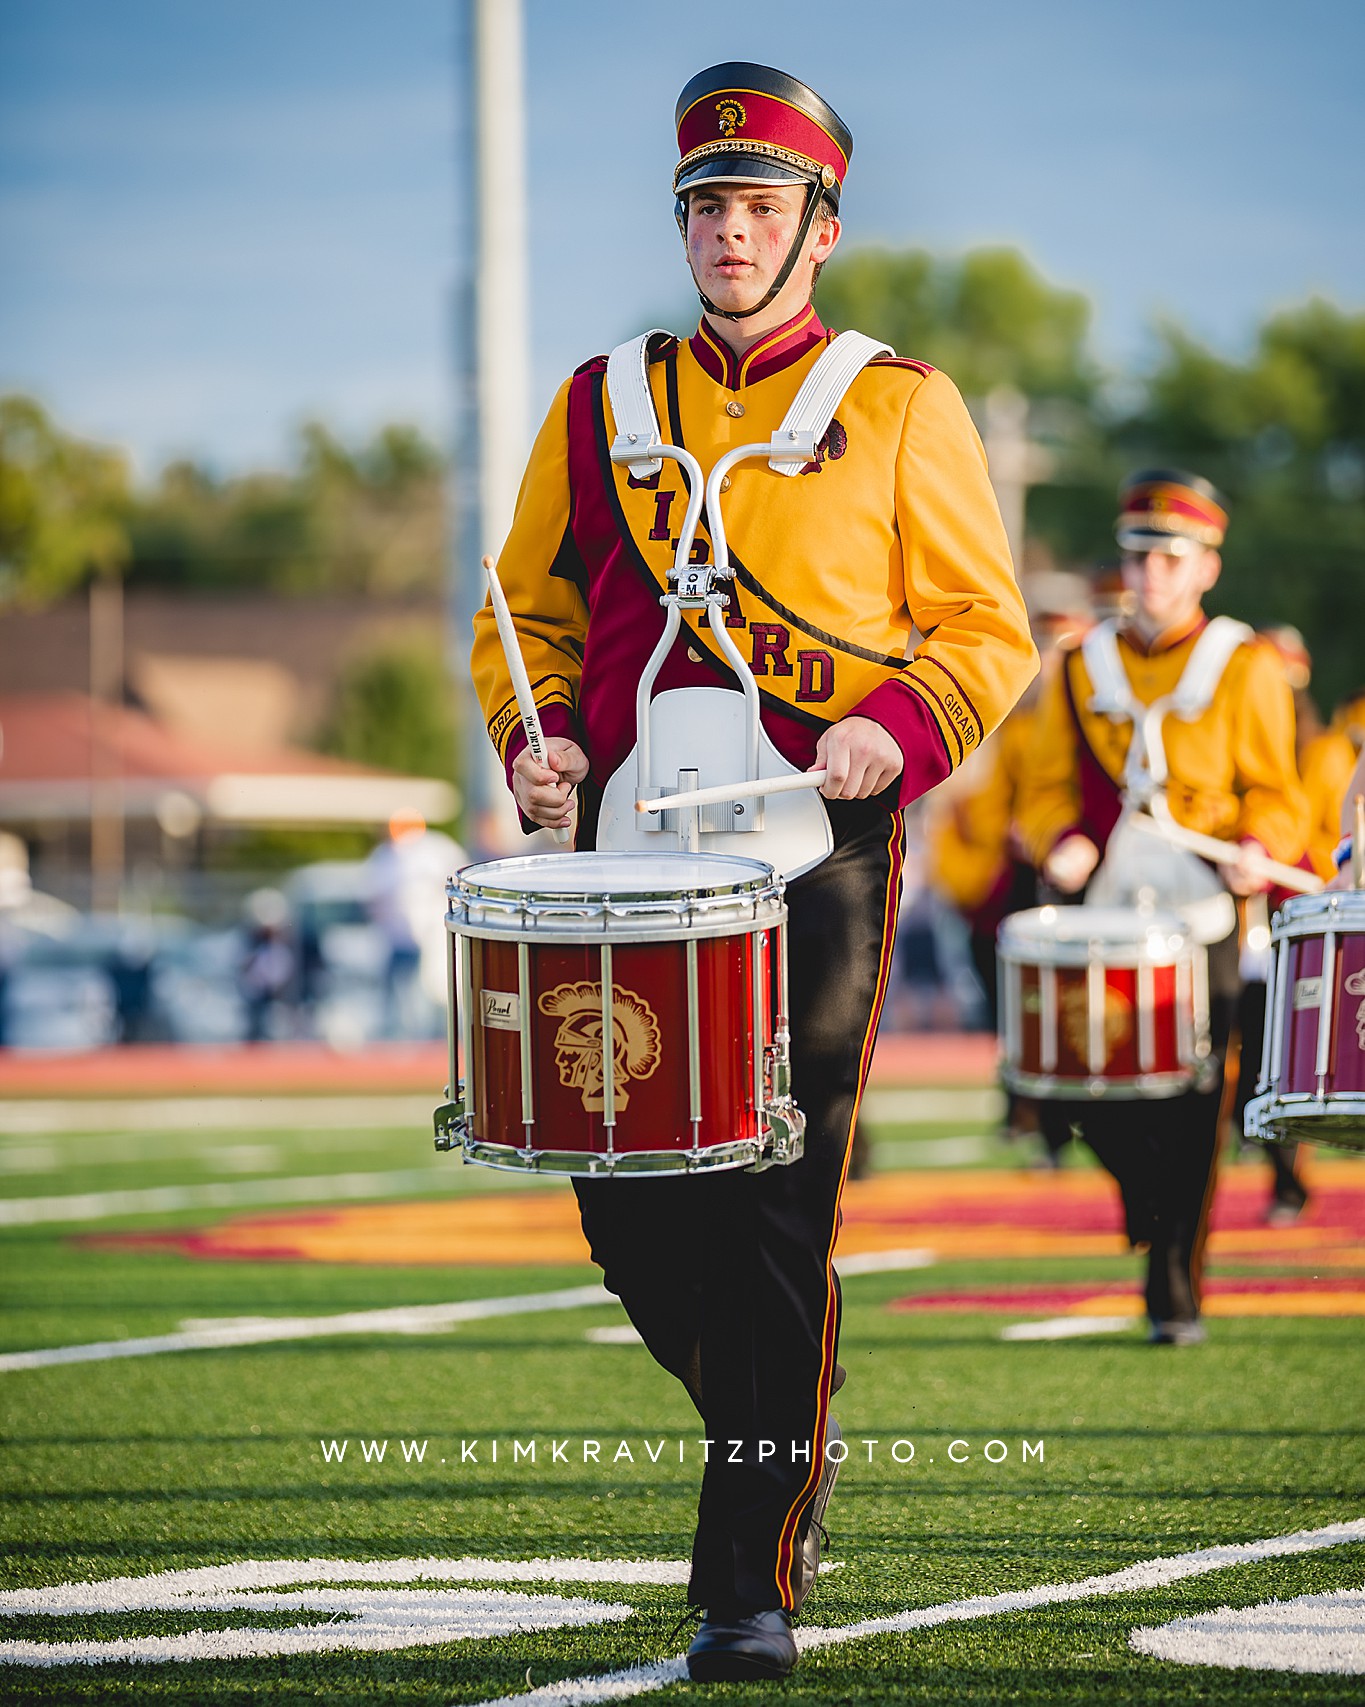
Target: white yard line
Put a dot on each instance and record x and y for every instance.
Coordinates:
(1315, 1633)
(215, 1333)
(228, 1194)
(1067, 1327)
(882, 1262)
(1152, 1573)
(404, 1319)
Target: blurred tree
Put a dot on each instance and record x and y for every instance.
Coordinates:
(365, 520)
(63, 506)
(989, 319)
(1283, 435)
(986, 319)
(395, 708)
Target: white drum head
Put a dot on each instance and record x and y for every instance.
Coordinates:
(632, 874)
(1043, 928)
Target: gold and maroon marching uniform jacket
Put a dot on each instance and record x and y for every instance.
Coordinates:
(888, 544)
(1232, 771)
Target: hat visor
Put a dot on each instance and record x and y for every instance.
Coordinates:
(740, 169)
(1142, 540)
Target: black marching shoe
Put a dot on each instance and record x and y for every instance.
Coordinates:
(815, 1522)
(738, 1647)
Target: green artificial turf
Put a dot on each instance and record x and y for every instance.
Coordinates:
(134, 1466)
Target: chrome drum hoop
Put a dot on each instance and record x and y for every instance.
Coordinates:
(1145, 1087)
(1293, 1118)
(1312, 915)
(486, 902)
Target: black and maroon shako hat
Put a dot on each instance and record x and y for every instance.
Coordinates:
(740, 123)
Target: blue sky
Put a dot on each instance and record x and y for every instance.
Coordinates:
(218, 218)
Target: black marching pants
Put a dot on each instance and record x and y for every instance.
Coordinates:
(1163, 1154)
(728, 1277)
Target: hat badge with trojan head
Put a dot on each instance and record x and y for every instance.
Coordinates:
(732, 116)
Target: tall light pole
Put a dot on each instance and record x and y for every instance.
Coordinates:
(492, 366)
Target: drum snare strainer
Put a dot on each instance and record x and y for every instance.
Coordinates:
(619, 1013)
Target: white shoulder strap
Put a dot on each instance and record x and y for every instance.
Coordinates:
(1113, 695)
(1211, 656)
(822, 391)
(632, 405)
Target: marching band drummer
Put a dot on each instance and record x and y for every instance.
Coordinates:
(1232, 775)
(892, 527)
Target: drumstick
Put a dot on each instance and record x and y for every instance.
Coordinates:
(733, 791)
(521, 682)
(1229, 853)
(1358, 845)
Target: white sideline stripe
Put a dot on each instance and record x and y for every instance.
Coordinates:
(194, 1586)
(156, 1200)
(1315, 1633)
(1150, 1574)
(26, 1118)
(891, 1106)
(1067, 1327)
(265, 1330)
(190, 1114)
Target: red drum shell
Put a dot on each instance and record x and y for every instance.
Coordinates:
(1312, 1082)
(1100, 1002)
(653, 1087)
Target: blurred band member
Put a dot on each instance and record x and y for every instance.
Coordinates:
(1230, 773)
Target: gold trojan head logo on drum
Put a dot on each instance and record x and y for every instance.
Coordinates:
(579, 1048)
(1075, 1020)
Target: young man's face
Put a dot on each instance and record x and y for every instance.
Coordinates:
(1169, 585)
(738, 237)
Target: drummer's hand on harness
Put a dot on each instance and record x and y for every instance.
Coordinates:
(545, 792)
(860, 757)
(1069, 865)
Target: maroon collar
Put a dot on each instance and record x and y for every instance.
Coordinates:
(770, 355)
(1167, 640)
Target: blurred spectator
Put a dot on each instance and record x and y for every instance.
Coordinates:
(407, 877)
(266, 969)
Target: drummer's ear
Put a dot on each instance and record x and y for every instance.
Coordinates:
(1210, 568)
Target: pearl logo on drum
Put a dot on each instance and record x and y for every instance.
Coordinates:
(580, 1048)
(501, 1009)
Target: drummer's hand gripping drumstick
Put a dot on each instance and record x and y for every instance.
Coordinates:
(521, 682)
(733, 791)
(1229, 853)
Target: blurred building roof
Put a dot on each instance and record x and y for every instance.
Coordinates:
(56, 747)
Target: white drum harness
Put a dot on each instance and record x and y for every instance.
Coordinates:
(797, 827)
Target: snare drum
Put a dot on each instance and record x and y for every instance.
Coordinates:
(1312, 1082)
(620, 1013)
(1102, 1003)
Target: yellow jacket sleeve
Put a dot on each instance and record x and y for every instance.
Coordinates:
(1049, 804)
(977, 655)
(1274, 808)
(548, 608)
(1328, 761)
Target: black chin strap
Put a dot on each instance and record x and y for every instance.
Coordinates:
(813, 199)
